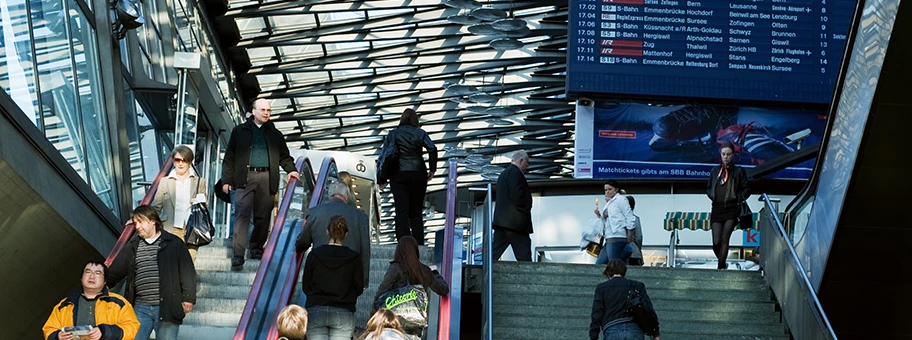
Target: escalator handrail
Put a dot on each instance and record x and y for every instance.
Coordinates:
(257, 286)
(449, 246)
(294, 267)
(798, 267)
(129, 227)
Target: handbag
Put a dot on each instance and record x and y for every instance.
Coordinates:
(388, 162)
(593, 246)
(409, 302)
(642, 316)
(745, 216)
(199, 230)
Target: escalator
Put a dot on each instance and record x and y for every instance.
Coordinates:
(846, 232)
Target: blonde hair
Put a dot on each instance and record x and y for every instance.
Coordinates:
(383, 318)
(292, 322)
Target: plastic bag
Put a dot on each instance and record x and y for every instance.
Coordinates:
(199, 231)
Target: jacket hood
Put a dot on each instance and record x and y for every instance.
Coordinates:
(334, 257)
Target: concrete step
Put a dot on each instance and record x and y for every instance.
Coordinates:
(664, 315)
(223, 264)
(545, 292)
(221, 291)
(199, 332)
(746, 308)
(226, 277)
(581, 325)
(514, 333)
(213, 304)
(633, 272)
(220, 319)
(591, 281)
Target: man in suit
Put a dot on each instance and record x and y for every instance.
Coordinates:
(513, 210)
(256, 150)
(317, 220)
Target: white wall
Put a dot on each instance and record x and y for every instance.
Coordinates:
(559, 220)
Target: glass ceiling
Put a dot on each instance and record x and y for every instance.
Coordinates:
(339, 73)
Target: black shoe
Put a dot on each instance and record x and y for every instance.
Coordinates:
(237, 261)
(256, 255)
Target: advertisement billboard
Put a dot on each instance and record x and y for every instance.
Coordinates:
(633, 140)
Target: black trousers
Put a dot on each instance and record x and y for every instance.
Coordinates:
(255, 198)
(408, 188)
(521, 243)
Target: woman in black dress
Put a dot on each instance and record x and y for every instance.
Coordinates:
(727, 188)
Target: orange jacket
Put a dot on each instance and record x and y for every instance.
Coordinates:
(114, 316)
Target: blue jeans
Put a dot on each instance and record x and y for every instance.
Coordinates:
(329, 323)
(624, 331)
(149, 319)
(614, 249)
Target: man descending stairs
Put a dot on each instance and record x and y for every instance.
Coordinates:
(554, 301)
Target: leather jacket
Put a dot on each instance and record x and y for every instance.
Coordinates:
(410, 140)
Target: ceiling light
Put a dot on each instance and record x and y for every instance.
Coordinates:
(485, 29)
(518, 33)
(506, 44)
(461, 90)
(463, 19)
(477, 109)
(498, 121)
(489, 14)
(463, 4)
(501, 111)
(483, 98)
(509, 24)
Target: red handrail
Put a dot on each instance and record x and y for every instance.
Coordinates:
(129, 228)
(443, 328)
(244, 323)
(295, 266)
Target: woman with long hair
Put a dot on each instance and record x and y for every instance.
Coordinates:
(333, 280)
(384, 325)
(178, 192)
(728, 190)
(408, 175)
(406, 268)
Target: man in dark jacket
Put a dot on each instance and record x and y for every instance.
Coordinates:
(318, 217)
(513, 210)
(255, 151)
(161, 279)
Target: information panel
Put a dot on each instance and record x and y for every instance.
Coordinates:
(779, 50)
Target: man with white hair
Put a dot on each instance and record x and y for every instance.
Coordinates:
(340, 203)
(513, 210)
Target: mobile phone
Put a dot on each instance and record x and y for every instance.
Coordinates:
(78, 330)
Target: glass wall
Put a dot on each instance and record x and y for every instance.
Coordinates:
(17, 65)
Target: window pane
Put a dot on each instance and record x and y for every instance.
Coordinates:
(91, 99)
(59, 98)
(17, 68)
(136, 160)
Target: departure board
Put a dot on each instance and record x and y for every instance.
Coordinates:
(760, 50)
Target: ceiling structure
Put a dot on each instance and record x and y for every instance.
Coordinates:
(339, 74)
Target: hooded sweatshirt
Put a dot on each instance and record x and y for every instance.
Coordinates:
(333, 276)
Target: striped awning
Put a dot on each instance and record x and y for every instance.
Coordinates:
(681, 220)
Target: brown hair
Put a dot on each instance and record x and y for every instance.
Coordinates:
(383, 318)
(407, 256)
(615, 267)
(147, 212)
(184, 152)
(727, 145)
(337, 228)
(632, 202)
(409, 117)
(292, 322)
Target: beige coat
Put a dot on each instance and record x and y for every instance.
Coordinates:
(165, 199)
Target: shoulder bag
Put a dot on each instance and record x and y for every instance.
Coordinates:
(199, 230)
(640, 312)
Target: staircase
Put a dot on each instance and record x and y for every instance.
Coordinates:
(554, 301)
(220, 296)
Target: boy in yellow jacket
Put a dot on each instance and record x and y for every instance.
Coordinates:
(110, 316)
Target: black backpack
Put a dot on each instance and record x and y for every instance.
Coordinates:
(388, 162)
(642, 313)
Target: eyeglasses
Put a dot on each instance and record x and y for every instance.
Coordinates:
(180, 160)
(91, 273)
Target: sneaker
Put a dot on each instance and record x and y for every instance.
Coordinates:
(237, 261)
(753, 140)
(691, 124)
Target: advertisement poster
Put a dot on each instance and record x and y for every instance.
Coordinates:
(632, 140)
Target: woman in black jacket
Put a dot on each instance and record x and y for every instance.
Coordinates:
(333, 280)
(609, 308)
(406, 268)
(727, 189)
(409, 182)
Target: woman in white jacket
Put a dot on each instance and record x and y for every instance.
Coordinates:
(618, 224)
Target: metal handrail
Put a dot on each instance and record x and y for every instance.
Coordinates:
(294, 266)
(488, 266)
(257, 286)
(129, 227)
(773, 235)
(447, 266)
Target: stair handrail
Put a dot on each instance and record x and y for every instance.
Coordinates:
(800, 308)
(488, 267)
(257, 286)
(449, 268)
(294, 267)
(129, 227)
